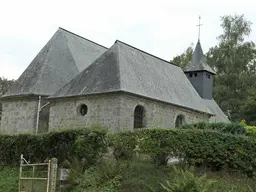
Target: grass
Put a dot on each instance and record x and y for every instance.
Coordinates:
(9, 179)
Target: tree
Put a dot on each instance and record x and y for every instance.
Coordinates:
(5, 85)
(249, 108)
(184, 58)
(234, 61)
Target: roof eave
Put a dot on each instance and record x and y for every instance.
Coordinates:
(189, 71)
(21, 96)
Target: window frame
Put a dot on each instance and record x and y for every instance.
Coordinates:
(139, 117)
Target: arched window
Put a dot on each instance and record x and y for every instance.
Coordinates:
(179, 121)
(139, 113)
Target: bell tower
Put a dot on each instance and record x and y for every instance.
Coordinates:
(199, 72)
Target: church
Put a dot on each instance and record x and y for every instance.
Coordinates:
(74, 82)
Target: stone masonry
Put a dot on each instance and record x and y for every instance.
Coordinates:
(157, 114)
(18, 116)
(116, 111)
(102, 109)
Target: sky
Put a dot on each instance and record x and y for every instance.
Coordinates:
(164, 28)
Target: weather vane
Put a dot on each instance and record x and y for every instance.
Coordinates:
(199, 25)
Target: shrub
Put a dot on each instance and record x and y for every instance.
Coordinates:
(140, 175)
(85, 144)
(250, 130)
(103, 176)
(186, 180)
(200, 147)
(124, 175)
(233, 128)
(197, 147)
(123, 145)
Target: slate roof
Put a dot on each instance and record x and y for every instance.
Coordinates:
(128, 69)
(60, 60)
(216, 110)
(198, 62)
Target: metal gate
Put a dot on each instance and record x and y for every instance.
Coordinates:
(39, 177)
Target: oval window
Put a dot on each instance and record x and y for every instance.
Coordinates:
(83, 109)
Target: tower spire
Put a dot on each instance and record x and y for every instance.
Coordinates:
(199, 25)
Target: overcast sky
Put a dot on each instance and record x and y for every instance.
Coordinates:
(164, 28)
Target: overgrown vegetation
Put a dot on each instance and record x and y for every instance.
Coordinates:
(139, 158)
(198, 147)
(141, 175)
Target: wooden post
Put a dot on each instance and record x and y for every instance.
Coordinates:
(53, 174)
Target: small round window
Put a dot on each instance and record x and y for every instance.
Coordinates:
(83, 109)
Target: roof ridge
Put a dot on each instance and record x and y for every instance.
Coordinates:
(82, 37)
(118, 41)
(73, 59)
(118, 66)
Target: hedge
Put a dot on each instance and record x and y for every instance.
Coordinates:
(250, 130)
(198, 147)
(233, 128)
(64, 145)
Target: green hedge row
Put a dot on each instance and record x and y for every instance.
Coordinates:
(64, 145)
(198, 147)
(233, 128)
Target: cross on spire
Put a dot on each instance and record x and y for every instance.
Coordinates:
(199, 25)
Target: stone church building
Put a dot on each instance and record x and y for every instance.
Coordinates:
(74, 82)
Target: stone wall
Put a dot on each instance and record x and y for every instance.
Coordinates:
(157, 114)
(116, 111)
(18, 115)
(102, 109)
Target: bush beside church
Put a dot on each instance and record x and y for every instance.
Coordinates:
(206, 147)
